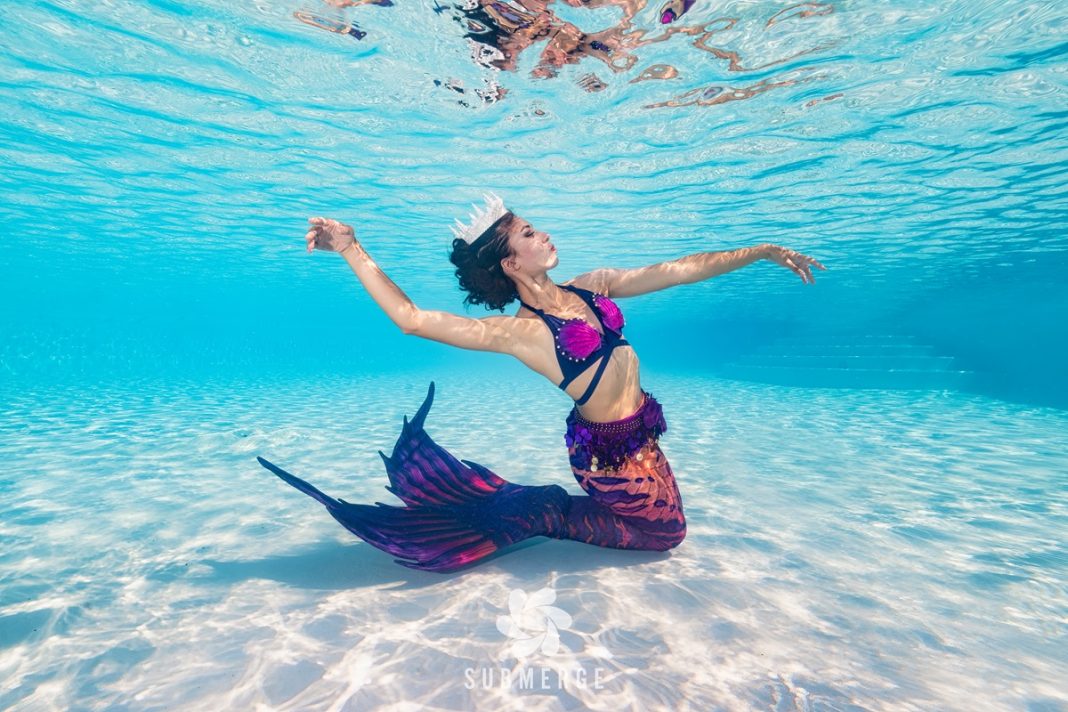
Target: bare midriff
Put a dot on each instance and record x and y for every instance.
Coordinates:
(619, 393)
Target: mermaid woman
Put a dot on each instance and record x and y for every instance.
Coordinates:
(458, 512)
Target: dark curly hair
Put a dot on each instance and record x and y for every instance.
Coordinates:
(478, 266)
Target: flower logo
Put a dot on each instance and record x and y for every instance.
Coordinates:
(533, 623)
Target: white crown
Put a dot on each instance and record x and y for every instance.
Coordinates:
(481, 219)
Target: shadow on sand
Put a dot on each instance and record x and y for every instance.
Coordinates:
(332, 566)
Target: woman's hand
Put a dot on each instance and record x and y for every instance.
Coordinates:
(795, 261)
(329, 235)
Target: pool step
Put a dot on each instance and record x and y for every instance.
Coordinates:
(840, 361)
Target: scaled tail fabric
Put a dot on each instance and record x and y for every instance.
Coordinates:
(458, 512)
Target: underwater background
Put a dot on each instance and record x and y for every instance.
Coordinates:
(874, 467)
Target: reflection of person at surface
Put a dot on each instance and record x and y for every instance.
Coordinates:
(714, 95)
(801, 11)
(630, 7)
(355, 3)
(674, 9)
(493, 92)
(569, 45)
(324, 23)
(459, 512)
(502, 31)
(591, 83)
(656, 71)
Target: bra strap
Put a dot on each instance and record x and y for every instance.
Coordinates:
(600, 370)
(587, 296)
(595, 380)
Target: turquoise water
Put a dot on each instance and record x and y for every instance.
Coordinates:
(873, 467)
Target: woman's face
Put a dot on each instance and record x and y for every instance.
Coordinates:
(532, 250)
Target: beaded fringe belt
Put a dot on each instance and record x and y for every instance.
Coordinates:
(606, 446)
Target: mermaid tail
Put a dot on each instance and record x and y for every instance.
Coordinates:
(458, 512)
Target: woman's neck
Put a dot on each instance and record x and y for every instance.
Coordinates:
(544, 294)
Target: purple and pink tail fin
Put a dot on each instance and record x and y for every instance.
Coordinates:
(424, 474)
(457, 513)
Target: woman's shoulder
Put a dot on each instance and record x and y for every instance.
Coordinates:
(594, 281)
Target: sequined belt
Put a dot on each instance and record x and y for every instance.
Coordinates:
(606, 446)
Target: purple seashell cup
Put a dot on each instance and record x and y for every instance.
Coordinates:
(610, 313)
(579, 339)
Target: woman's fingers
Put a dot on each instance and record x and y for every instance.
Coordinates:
(327, 234)
(812, 261)
(789, 264)
(326, 224)
(802, 262)
(798, 264)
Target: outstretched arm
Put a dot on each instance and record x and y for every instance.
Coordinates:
(334, 236)
(699, 267)
(487, 334)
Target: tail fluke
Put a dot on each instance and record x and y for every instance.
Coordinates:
(458, 512)
(428, 538)
(422, 473)
(300, 484)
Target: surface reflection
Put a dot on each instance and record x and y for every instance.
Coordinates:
(498, 32)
